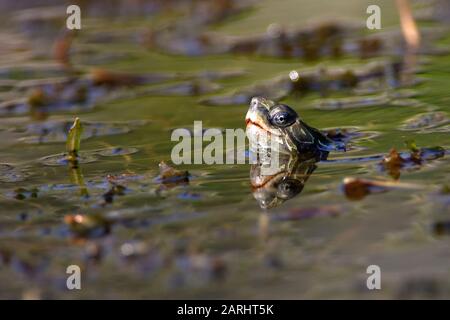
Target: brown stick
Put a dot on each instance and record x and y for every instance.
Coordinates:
(412, 39)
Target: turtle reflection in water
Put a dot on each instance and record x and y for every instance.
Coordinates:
(286, 151)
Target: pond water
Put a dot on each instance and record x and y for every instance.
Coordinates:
(208, 237)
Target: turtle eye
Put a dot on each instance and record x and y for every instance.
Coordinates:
(282, 116)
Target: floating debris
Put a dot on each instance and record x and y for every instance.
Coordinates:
(169, 176)
(103, 77)
(37, 98)
(408, 24)
(441, 228)
(115, 190)
(395, 161)
(23, 193)
(357, 189)
(61, 49)
(428, 154)
(124, 177)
